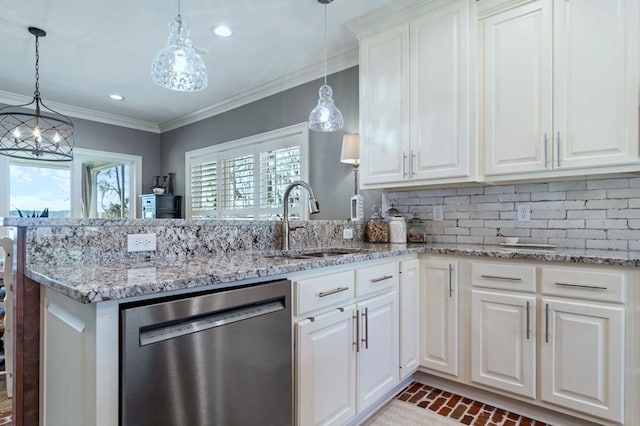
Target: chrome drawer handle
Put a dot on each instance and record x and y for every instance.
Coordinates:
(377, 280)
(588, 287)
(334, 291)
(528, 321)
(365, 315)
(497, 277)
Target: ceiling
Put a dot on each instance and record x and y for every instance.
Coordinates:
(96, 48)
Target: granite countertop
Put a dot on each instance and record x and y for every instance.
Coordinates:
(110, 281)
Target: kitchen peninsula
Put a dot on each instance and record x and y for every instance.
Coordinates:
(73, 275)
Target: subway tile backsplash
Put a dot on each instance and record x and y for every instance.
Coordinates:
(585, 214)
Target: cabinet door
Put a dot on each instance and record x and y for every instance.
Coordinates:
(439, 316)
(440, 145)
(582, 357)
(503, 348)
(325, 368)
(596, 82)
(517, 89)
(378, 359)
(384, 105)
(409, 319)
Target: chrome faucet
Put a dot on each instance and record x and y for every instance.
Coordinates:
(314, 207)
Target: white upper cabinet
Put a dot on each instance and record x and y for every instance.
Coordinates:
(560, 87)
(384, 105)
(415, 100)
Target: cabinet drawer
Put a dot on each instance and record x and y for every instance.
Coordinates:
(376, 278)
(504, 276)
(584, 283)
(326, 290)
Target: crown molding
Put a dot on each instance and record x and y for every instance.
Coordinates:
(83, 113)
(334, 64)
(391, 14)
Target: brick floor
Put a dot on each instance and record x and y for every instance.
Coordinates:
(463, 410)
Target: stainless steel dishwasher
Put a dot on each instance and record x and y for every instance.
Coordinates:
(222, 358)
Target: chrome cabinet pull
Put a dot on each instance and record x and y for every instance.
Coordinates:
(365, 315)
(384, 278)
(357, 342)
(450, 281)
(588, 287)
(411, 172)
(528, 320)
(546, 157)
(546, 325)
(558, 150)
(404, 165)
(334, 291)
(497, 277)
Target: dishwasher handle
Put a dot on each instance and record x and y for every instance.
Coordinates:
(161, 332)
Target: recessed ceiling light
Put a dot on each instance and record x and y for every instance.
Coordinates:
(116, 97)
(221, 30)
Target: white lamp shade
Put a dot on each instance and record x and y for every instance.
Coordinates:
(350, 149)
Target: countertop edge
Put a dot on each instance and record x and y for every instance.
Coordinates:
(108, 285)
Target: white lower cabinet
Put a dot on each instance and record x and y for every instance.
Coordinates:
(579, 338)
(326, 368)
(582, 357)
(377, 354)
(409, 317)
(503, 341)
(347, 355)
(439, 315)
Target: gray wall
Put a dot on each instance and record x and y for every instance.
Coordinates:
(105, 137)
(331, 180)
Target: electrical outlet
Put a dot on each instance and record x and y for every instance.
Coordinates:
(347, 233)
(438, 213)
(141, 242)
(523, 213)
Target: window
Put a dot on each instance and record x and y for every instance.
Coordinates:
(35, 186)
(95, 184)
(246, 178)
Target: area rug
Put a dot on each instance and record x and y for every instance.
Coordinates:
(399, 413)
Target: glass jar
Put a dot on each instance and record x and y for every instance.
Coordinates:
(397, 225)
(377, 229)
(416, 232)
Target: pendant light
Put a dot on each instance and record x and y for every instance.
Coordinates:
(325, 117)
(177, 66)
(44, 135)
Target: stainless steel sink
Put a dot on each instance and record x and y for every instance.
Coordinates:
(313, 254)
(329, 253)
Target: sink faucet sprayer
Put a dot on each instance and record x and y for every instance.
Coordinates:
(314, 207)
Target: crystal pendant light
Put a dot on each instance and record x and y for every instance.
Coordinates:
(177, 66)
(44, 135)
(325, 117)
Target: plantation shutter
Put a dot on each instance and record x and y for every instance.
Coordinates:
(204, 190)
(278, 168)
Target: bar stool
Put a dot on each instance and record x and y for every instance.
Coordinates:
(6, 244)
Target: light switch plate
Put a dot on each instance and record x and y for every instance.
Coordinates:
(438, 213)
(523, 213)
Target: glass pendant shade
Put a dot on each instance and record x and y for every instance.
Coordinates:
(177, 66)
(325, 117)
(43, 134)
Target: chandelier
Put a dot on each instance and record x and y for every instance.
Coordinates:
(177, 66)
(41, 135)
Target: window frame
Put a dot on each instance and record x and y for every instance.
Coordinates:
(135, 179)
(295, 135)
